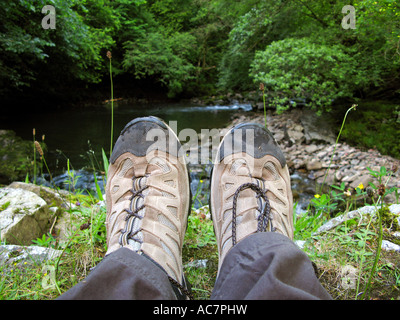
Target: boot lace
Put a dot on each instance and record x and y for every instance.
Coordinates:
(264, 218)
(133, 212)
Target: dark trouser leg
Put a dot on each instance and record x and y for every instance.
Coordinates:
(123, 274)
(267, 266)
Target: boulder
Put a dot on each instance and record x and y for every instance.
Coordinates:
(359, 213)
(348, 274)
(24, 216)
(53, 198)
(317, 128)
(10, 254)
(390, 246)
(16, 157)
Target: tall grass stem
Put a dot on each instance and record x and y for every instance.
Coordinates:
(34, 155)
(40, 150)
(112, 104)
(354, 106)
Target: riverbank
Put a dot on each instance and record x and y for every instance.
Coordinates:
(308, 142)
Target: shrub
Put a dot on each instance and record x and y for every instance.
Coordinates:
(298, 69)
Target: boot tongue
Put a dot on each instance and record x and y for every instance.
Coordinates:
(136, 223)
(247, 199)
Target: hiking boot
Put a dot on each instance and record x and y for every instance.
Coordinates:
(148, 195)
(250, 187)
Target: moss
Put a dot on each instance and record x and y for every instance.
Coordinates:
(4, 206)
(389, 220)
(16, 157)
(389, 237)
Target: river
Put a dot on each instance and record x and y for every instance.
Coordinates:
(72, 134)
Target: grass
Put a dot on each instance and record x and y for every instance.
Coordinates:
(354, 244)
(351, 244)
(82, 250)
(200, 244)
(109, 56)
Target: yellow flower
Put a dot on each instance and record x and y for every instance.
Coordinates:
(201, 181)
(360, 186)
(317, 196)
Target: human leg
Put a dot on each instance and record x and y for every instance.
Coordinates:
(252, 210)
(148, 200)
(267, 266)
(123, 275)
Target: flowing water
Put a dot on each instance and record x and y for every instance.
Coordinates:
(71, 134)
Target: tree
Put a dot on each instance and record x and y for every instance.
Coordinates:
(298, 69)
(34, 57)
(165, 59)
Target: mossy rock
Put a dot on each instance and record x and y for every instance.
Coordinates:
(16, 157)
(389, 219)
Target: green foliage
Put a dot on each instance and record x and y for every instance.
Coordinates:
(301, 50)
(194, 47)
(166, 59)
(34, 57)
(236, 61)
(17, 157)
(374, 126)
(299, 68)
(200, 232)
(45, 241)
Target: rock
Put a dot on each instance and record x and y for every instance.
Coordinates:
(52, 197)
(322, 154)
(197, 264)
(203, 212)
(298, 163)
(390, 246)
(314, 165)
(296, 136)
(344, 217)
(300, 243)
(279, 136)
(317, 128)
(364, 180)
(367, 210)
(311, 148)
(395, 209)
(10, 254)
(24, 216)
(350, 178)
(349, 277)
